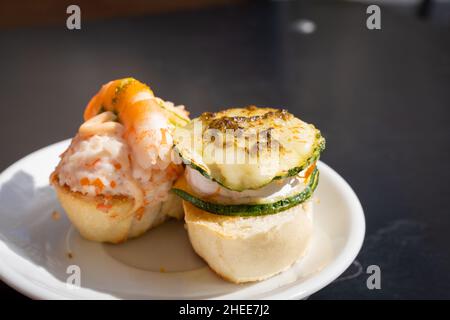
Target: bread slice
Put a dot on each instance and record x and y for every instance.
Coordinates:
(116, 224)
(244, 249)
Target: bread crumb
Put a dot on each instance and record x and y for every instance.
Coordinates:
(162, 270)
(69, 255)
(56, 215)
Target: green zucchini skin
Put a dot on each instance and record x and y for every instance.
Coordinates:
(314, 157)
(251, 210)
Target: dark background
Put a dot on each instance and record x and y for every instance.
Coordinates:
(380, 97)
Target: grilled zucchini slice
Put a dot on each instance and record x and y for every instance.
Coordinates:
(247, 148)
(246, 210)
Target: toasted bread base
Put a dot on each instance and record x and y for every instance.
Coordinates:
(252, 248)
(116, 224)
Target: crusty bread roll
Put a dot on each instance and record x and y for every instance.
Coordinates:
(244, 249)
(116, 224)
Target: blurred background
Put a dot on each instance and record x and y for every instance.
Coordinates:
(381, 98)
(47, 12)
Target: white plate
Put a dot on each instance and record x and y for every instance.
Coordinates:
(34, 247)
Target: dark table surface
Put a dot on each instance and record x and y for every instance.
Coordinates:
(381, 98)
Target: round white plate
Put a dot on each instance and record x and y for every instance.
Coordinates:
(38, 252)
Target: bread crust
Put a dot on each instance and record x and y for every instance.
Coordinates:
(252, 248)
(115, 224)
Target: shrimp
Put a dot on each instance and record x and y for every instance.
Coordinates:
(145, 122)
(116, 95)
(101, 124)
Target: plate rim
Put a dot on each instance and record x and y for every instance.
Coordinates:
(323, 278)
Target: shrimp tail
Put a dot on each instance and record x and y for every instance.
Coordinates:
(116, 95)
